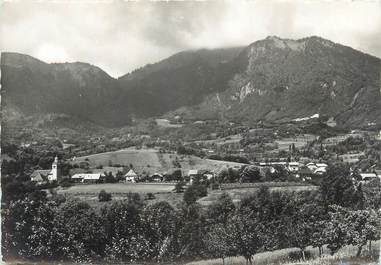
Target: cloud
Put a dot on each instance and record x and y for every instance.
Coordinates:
(121, 36)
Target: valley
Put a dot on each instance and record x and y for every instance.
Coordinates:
(274, 146)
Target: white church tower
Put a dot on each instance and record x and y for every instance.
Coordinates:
(54, 173)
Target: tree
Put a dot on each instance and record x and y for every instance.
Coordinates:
(250, 174)
(194, 192)
(179, 187)
(219, 241)
(337, 187)
(17, 222)
(78, 231)
(363, 226)
(109, 178)
(159, 222)
(317, 236)
(103, 196)
(41, 243)
(247, 232)
(220, 210)
(190, 231)
(298, 233)
(228, 175)
(125, 239)
(336, 229)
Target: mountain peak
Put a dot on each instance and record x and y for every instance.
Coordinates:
(18, 59)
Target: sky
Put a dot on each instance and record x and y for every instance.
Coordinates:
(120, 36)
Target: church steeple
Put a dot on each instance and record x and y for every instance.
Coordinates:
(54, 172)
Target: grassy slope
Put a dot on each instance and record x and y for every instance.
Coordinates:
(151, 161)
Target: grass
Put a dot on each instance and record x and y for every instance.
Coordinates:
(120, 191)
(117, 188)
(281, 257)
(151, 161)
(238, 193)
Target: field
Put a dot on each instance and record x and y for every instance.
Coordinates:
(118, 188)
(151, 161)
(120, 191)
(164, 191)
(284, 144)
(237, 194)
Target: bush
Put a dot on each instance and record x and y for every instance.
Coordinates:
(104, 196)
(179, 187)
(194, 192)
(150, 196)
(215, 186)
(297, 255)
(65, 183)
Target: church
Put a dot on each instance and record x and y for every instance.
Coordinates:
(49, 175)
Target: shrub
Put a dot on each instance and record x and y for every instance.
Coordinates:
(194, 192)
(297, 255)
(150, 196)
(104, 196)
(179, 187)
(215, 186)
(65, 183)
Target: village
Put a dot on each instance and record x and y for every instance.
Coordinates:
(302, 157)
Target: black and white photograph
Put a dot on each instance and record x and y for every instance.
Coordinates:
(214, 132)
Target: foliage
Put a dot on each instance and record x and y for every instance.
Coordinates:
(179, 187)
(37, 227)
(103, 196)
(250, 174)
(220, 211)
(337, 187)
(194, 192)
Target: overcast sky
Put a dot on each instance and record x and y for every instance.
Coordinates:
(121, 36)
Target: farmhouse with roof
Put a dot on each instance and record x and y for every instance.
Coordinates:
(131, 176)
(88, 177)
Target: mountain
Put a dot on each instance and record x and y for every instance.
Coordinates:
(281, 80)
(183, 79)
(76, 89)
(87, 92)
(273, 79)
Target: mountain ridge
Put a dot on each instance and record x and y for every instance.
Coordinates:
(270, 79)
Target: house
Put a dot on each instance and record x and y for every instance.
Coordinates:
(293, 167)
(77, 177)
(48, 175)
(87, 177)
(321, 165)
(369, 176)
(351, 158)
(320, 171)
(40, 176)
(311, 166)
(317, 168)
(305, 173)
(192, 173)
(378, 137)
(157, 177)
(131, 176)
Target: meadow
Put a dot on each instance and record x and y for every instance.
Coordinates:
(151, 161)
(118, 188)
(239, 191)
